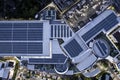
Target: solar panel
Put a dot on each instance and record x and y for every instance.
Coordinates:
(64, 31)
(67, 31)
(19, 34)
(61, 30)
(117, 36)
(19, 25)
(5, 47)
(5, 34)
(35, 34)
(73, 48)
(106, 24)
(103, 47)
(19, 47)
(55, 30)
(51, 30)
(21, 38)
(4, 25)
(111, 21)
(22, 48)
(56, 22)
(35, 47)
(56, 59)
(35, 25)
(70, 33)
(58, 31)
(101, 51)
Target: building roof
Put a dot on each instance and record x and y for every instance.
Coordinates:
(57, 56)
(1, 65)
(61, 68)
(92, 73)
(31, 67)
(83, 56)
(118, 65)
(74, 46)
(101, 48)
(30, 38)
(23, 38)
(77, 46)
(117, 36)
(1, 72)
(60, 30)
(4, 73)
(64, 4)
(56, 59)
(87, 62)
(104, 22)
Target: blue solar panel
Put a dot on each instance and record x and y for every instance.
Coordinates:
(5, 47)
(70, 33)
(20, 38)
(35, 34)
(56, 22)
(5, 25)
(111, 24)
(64, 31)
(20, 31)
(35, 48)
(73, 48)
(5, 34)
(22, 48)
(58, 31)
(35, 25)
(56, 59)
(106, 24)
(19, 25)
(19, 47)
(51, 30)
(19, 34)
(103, 47)
(67, 31)
(55, 30)
(61, 30)
(100, 49)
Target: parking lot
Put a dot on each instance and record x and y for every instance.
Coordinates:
(85, 11)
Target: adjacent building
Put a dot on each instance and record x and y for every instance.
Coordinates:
(51, 41)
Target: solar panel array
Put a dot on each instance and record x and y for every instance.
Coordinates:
(59, 31)
(56, 59)
(73, 48)
(21, 38)
(109, 22)
(102, 48)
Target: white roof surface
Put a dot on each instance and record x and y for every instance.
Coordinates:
(94, 22)
(92, 73)
(4, 73)
(80, 42)
(101, 48)
(1, 64)
(30, 67)
(70, 72)
(82, 57)
(1, 72)
(55, 47)
(87, 62)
